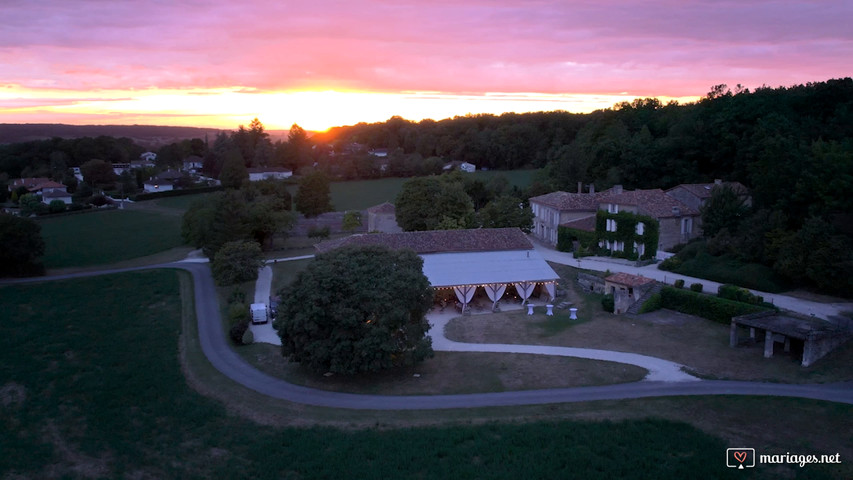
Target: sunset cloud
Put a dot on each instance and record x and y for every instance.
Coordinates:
(580, 48)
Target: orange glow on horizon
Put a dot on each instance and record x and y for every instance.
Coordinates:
(226, 108)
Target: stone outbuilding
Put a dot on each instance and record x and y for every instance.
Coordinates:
(626, 289)
(815, 337)
(383, 218)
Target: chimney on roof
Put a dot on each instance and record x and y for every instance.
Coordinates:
(591, 188)
(580, 187)
(718, 181)
(617, 189)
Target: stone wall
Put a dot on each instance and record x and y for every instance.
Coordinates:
(816, 347)
(383, 222)
(333, 220)
(591, 282)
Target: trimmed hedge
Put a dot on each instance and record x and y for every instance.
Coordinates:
(717, 309)
(696, 287)
(738, 294)
(175, 193)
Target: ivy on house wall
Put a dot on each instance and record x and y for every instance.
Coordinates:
(587, 241)
(626, 232)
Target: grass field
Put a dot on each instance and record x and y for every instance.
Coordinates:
(453, 373)
(181, 202)
(102, 396)
(107, 237)
(83, 400)
(362, 194)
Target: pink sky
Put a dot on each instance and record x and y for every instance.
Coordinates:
(217, 63)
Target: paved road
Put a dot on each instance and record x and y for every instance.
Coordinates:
(220, 354)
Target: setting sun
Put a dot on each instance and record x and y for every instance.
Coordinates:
(313, 110)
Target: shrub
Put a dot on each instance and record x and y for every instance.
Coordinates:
(655, 302)
(321, 232)
(238, 312)
(75, 207)
(696, 287)
(738, 294)
(99, 200)
(237, 296)
(678, 283)
(56, 206)
(608, 303)
(713, 308)
(248, 337)
(670, 264)
(237, 331)
(175, 193)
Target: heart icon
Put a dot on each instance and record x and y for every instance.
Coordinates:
(740, 456)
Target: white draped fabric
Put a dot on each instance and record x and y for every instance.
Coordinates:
(464, 294)
(495, 291)
(552, 290)
(525, 290)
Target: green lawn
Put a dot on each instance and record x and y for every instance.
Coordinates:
(106, 237)
(181, 202)
(362, 194)
(94, 389)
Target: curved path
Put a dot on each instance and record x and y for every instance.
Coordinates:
(217, 350)
(659, 369)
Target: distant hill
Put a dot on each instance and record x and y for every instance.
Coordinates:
(147, 135)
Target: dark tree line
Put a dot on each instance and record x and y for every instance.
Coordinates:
(52, 158)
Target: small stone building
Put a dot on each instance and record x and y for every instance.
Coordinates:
(383, 218)
(626, 289)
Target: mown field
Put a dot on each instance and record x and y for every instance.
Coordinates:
(95, 390)
(362, 194)
(99, 238)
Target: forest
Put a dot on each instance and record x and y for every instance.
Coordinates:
(791, 146)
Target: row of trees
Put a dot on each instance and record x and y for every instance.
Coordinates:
(257, 211)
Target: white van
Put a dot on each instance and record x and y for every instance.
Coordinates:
(260, 313)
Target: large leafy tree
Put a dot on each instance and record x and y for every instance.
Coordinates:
(506, 211)
(234, 171)
(433, 204)
(231, 216)
(296, 149)
(313, 196)
(98, 173)
(237, 262)
(724, 210)
(21, 246)
(357, 309)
